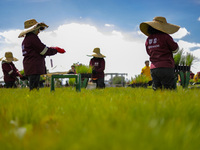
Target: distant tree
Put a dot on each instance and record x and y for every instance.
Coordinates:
(118, 80)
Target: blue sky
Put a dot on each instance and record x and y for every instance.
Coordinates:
(113, 25)
(125, 14)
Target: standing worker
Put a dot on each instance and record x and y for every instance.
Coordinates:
(98, 66)
(160, 46)
(146, 71)
(9, 70)
(34, 52)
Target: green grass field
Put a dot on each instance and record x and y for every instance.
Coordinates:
(112, 118)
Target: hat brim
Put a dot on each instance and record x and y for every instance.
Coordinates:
(34, 27)
(166, 28)
(97, 55)
(8, 59)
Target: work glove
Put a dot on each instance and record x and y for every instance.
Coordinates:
(59, 50)
(19, 74)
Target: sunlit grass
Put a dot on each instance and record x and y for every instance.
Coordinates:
(111, 118)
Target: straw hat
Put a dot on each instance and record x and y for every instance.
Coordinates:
(8, 57)
(31, 25)
(97, 53)
(159, 23)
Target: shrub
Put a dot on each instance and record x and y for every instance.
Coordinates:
(118, 80)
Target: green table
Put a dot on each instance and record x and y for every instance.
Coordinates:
(76, 76)
(84, 79)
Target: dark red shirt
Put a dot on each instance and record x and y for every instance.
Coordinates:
(99, 67)
(34, 52)
(160, 47)
(10, 71)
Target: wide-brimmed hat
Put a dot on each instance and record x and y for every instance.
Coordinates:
(97, 53)
(31, 25)
(159, 23)
(8, 57)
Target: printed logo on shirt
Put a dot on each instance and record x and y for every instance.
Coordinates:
(150, 41)
(96, 64)
(153, 41)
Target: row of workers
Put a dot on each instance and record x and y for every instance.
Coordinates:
(160, 47)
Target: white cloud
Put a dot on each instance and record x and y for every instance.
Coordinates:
(199, 19)
(109, 25)
(125, 52)
(182, 32)
(10, 37)
(187, 45)
(79, 40)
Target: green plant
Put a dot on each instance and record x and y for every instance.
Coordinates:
(22, 72)
(177, 57)
(72, 81)
(190, 59)
(83, 69)
(183, 61)
(180, 59)
(118, 80)
(113, 118)
(140, 79)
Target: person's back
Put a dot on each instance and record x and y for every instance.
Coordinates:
(98, 66)
(9, 70)
(160, 47)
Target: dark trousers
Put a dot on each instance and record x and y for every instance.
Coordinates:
(100, 83)
(10, 84)
(163, 78)
(34, 81)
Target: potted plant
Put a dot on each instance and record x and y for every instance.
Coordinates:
(139, 81)
(182, 66)
(85, 71)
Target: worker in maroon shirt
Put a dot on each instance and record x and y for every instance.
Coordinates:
(34, 52)
(160, 47)
(9, 70)
(98, 65)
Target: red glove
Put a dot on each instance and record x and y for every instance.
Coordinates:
(59, 50)
(19, 74)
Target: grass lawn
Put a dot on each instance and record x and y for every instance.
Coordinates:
(112, 118)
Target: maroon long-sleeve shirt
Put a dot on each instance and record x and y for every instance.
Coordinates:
(10, 71)
(99, 67)
(34, 52)
(160, 48)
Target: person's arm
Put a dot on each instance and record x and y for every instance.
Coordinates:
(41, 48)
(173, 46)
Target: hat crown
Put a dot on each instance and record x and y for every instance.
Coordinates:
(96, 50)
(160, 20)
(29, 23)
(8, 55)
